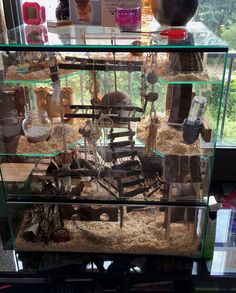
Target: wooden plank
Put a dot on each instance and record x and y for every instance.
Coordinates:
(180, 102)
(102, 61)
(171, 168)
(185, 175)
(126, 164)
(99, 67)
(2, 18)
(90, 213)
(16, 172)
(182, 215)
(169, 96)
(120, 144)
(133, 182)
(206, 131)
(195, 167)
(206, 177)
(137, 191)
(120, 134)
(198, 190)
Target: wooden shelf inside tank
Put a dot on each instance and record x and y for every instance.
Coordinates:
(16, 172)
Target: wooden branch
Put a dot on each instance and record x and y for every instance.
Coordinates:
(45, 224)
(99, 67)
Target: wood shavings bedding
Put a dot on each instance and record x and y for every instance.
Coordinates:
(169, 140)
(142, 233)
(38, 75)
(93, 190)
(198, 76)
(53, 145)
(162, 68)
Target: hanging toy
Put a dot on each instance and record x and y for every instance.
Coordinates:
(152, 76)
(152, 134)
(91, 132)
(152, 97)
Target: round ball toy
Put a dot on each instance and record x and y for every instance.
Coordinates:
(174, 12)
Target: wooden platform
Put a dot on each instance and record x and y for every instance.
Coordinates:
(16, 172)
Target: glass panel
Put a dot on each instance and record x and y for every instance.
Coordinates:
(107, 139)
(116, 126)
(227, 136)
(96, 36)
(109, 229)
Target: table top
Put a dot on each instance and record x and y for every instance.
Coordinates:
(224, 258)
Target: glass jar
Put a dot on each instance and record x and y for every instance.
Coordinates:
(36, 126)
(128, 19)
(10, 125)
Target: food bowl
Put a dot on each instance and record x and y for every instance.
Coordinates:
(128, 19)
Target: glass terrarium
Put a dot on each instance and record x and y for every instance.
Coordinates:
(113, 228)
(131, 122)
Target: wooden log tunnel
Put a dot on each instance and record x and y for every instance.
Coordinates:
(45, 223)
(90, 213)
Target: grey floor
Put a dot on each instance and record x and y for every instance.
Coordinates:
(7, 259)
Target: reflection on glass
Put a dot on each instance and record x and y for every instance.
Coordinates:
(36, 34)
(146, 11)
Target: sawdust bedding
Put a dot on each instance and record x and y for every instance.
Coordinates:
(169, 139)
(142, 233)
(38, 75)
(53, 145)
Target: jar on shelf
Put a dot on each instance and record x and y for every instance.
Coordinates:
(128, 19)
(10, 125)
(36, 126)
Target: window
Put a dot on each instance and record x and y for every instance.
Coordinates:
(220, 17)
